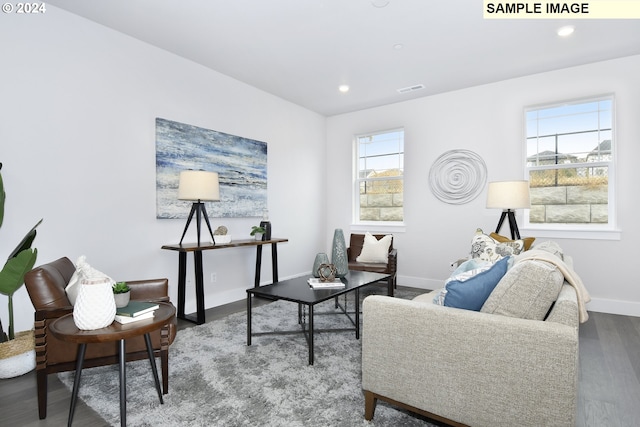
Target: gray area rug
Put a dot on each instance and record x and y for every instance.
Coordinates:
(215, 379)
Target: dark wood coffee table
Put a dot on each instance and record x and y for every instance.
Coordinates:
(65, 329)
(298, 290)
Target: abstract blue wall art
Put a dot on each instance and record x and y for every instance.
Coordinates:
(241, 164)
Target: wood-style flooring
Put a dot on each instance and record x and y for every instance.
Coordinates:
(608, 396)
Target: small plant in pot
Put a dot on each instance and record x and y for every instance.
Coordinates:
(121, 294)
(258, 232)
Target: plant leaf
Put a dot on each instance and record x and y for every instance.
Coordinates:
(26, 241)
(12, 274)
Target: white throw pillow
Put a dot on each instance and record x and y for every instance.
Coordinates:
(83, 271)
(374, 250)
(73, 288)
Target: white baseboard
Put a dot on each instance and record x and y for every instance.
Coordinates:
(420, 282)
(625, 308)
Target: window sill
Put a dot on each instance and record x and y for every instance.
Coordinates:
(379, 227)
(571, 233)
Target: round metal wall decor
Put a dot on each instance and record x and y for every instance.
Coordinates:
(457, 176)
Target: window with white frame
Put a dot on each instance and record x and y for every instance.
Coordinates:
(570, 165)
(379, 177)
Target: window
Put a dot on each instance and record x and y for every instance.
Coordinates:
(379, 177)
(570, 165)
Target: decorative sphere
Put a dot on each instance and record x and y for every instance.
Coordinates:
(327, 272)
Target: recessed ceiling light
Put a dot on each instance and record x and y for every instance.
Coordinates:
(565, 31)
(398, 46)
(343, 88)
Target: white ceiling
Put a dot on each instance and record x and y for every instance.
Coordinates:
(302, 50)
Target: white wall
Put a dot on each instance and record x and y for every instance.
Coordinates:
(77, 139)
(489, 121)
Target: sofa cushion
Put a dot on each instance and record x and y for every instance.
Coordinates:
(374, 250)
(526, 291)
(470, 294)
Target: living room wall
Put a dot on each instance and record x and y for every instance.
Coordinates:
(489, 121)
(77, 131)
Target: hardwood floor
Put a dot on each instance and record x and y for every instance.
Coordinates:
(608, 394)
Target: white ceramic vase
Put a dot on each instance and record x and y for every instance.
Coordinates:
(95, 306)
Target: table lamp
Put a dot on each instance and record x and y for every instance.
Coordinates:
(198, 186)
(508, 196)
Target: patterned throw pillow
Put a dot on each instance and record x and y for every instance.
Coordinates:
(488, 249)
(484, 247)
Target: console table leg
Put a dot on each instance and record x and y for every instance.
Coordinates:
(82, 348)
(256, 282)
(182, 280)
(197, 257)
(274, 262)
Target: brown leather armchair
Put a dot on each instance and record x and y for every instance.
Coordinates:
(355, 248)
(46, 286)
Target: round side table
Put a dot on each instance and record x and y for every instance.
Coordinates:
(65, 329)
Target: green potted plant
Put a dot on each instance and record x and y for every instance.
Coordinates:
(258, 232)
(121, 294)
(17, 355)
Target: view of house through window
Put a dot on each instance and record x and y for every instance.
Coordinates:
(380, 169)
(569, 162)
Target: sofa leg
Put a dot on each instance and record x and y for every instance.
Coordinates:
(41, 380)
(370, 402)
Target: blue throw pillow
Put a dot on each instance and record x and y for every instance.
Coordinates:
(472, 293)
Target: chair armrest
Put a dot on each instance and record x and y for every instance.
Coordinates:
(149, 290)
(393, 261)
(52, 313)
(474, 368)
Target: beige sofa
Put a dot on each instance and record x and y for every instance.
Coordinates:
(474, 368)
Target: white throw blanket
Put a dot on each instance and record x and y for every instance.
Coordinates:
(570, 276)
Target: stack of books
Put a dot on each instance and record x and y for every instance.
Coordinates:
(135, 310)
(319, 284)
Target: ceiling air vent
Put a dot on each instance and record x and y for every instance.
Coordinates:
(411, 88)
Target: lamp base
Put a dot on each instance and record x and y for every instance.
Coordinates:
(200, 211)
(515, 233)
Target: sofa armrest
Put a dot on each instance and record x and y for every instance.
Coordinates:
(474, 368)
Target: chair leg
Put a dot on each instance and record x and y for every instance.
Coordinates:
(41, 381)
(164, 362)
(370, 402)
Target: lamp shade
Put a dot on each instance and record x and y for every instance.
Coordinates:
(199, 185)
(508, 195)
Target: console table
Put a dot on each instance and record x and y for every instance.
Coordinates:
(199, 275)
